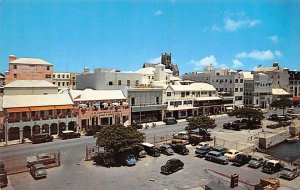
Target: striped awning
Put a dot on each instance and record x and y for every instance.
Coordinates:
(14, 110)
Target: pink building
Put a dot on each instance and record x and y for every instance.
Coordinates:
(28, 69)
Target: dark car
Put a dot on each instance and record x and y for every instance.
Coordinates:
(104, 158)
(170, 121)
(216, 157)
(3, 176)
(166, 149)
(220, 149)
(41, 138)
(180, 149)
(284, 118)
(38, 171)
(201, 152)
(273, 117)
(171, 166)
(139, 151)
(272, 166)
(69, 135)
(290, 172)
(241, 159)
(189, 118)
(151, 149)
(256, 162)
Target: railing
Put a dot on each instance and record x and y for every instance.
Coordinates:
(38, 118)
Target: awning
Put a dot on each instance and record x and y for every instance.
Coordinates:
(64, 107)
(42, 108)
(14, 110)
(296, 98)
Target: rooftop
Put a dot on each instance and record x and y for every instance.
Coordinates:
(30, 84)
(94, 95)
(31, 61)
(194, 87)
(279, 91)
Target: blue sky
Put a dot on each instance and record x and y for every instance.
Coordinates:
(124, 34)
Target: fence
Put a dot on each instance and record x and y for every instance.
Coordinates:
(246, 148)
(15, 165)
(158, 139)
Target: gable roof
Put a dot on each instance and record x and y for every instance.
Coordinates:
(279, 91)
(31, 61)
(30, 84)
(94, 95)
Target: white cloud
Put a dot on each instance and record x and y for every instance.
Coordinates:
(237, 63)
(215, 28)
(158, 13)
(206, 61)
(154, 60)
(273, 38)
(278, 53)
(232, 25)
(260, 55)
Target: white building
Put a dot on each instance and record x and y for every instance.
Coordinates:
(30, 87)
(229, 83)
(64, 80)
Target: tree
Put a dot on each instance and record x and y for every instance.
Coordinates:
(282, 103)
(254, 116)
(118, 139)
(202, 122)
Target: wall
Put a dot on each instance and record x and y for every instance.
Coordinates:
(272, 140)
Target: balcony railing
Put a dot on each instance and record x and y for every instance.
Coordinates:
(38, 118)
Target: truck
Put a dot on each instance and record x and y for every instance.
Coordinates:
(41, 158)
(267, 184)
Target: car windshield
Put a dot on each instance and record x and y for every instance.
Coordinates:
(255, 159)
(288, 169)
(205, 148)
(229, 152)
(270, 164)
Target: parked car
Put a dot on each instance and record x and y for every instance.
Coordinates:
(272, 166)
(171, 166)
(241, 159)
(41, 158)
(201, 152)
(139, 151)
(231, 153)
(41, 138)
(216, 157)
(151, 149)
(166, 149)
(189, 118)
(104, 158)
(273, 117)
(3, 176)
(284, 118)
(38, 171)
(128, 160)
(189, 128)
(181, 135)
(69, 135)
(202, 144)
(170, 120)
(290, 172)
(256, 162)
(180, 149)
(220, 149)
(180, 141)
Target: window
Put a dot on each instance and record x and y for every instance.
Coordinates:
(128, 82)
(63, 83)
(241, 89)
(157, 100)
(63, 76)
(15, 66)
(236, 89)
(217, 80)
(236, 80)
(54, 83)
(148, 77)
(137, 82)
(58, 84)
(225, 89)
(225, 80)
(67, 83)
(58, 76)
(48, 68)
(187, 93)
(48, 76)
(15, 76)
(53, 76)
(73, 83)
(152, 77)
(169, 93)
(119, 82)
(67, 76)
(221, 89)
(182, 94)
(110, 83)
(241, 80)
(278, 82)
(230, 81)
(133, 101)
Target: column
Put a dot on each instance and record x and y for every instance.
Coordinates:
(67, 124)
(21, 133)
(49, 131)
(58, 128)
(6, 131)
(30, 130)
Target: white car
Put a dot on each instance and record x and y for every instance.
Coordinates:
(202, 144)
(231, 153)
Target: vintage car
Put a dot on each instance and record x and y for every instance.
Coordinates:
(202, 151)
(189, 118)
(166, 149)
(41, 158)
(256, 162)
(38, 171)
(41, 138)
(201, 144)
(139, 151)
(170, 121)
(220, 149)
(104, 158)
(216, 157)
(171, 166)
(241, 159)
(272, 166)
(180, 149)
(290, 172)
(128, 160)
(231, 153)
(151, 149)
(69, 135)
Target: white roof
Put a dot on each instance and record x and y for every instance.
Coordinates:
(30, 84)
(94, 95)
(248, 75)
(146, 71)
(19, 101)
(194, 87)
(279, 91)
(30, 61)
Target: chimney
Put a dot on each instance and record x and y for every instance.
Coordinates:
(11, 58)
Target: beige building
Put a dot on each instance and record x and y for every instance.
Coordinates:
(30, 87)
(65, 80)
(28, 69)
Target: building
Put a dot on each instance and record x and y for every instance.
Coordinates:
(187, 98)
(166, 60)
(294, 81)
(146, 104)
(100, 107)
(28, 69)
(25, 115)
(30, 87)
(65, 80)
(2, 131)
(229, 83)
(2, 83)
(258, 90)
